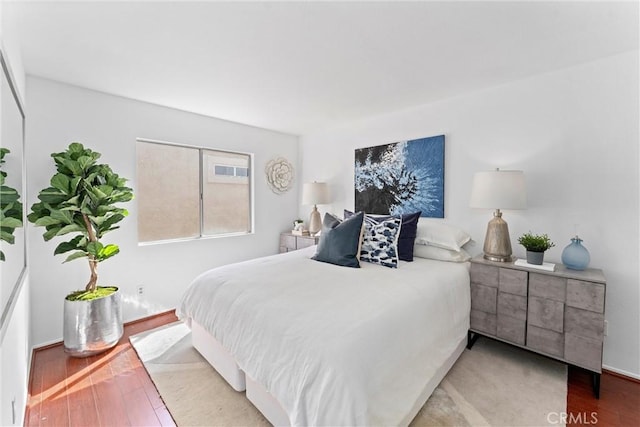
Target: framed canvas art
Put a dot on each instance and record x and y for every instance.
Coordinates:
(401, 177)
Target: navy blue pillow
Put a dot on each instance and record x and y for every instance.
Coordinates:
(340, 240)
(408, 232)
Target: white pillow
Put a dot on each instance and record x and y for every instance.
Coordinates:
(434, 252)
(444, 236)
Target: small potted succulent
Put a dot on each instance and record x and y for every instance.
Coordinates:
(536, 245)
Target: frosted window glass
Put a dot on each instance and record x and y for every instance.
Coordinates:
(189, 192)
(226, 197)
(168, 192)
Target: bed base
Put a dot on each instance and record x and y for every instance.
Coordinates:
(218, 357)
(226, 366)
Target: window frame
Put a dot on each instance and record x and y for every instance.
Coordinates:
(201, 172)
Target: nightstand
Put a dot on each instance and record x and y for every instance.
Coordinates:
(558, 314)
(291, 242)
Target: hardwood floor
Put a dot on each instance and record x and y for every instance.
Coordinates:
(109, 389)
(619, 403)
(113, 389)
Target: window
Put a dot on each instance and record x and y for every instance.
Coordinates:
(189, 192)
(231, 170)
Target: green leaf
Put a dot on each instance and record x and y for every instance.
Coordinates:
(2, 258)
(8, 194)
(73, 184)
(62, 216)
(11, 222)
(75, 255)
(94, 248)
(46, 220)
(70, 229)
(51, 233)
(76, 147)
(85, 161)
(108, 251)
(7, 237)
(106, 189)
(52, 196)
(97, 191)
(73, 166)
(61, 182)
(68, 246)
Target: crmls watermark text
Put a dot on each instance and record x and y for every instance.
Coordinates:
(584, 418)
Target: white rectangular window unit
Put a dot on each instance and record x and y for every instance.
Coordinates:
(230, 170)
(186, 192)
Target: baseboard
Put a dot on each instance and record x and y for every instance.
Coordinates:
(46, 346)
(153, 316)
(621, 374)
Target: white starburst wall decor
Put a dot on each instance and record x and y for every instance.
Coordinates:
(280, 174)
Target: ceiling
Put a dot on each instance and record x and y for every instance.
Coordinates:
(297, 67)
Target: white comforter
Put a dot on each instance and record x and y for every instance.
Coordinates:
(335, 345)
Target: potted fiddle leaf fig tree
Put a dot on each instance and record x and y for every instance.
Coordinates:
(81, 204)
(10, 207)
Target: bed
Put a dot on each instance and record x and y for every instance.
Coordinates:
(318, 344)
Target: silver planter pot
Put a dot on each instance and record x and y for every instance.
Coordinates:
(91, 327)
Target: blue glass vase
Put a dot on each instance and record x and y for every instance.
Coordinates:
(575, 256)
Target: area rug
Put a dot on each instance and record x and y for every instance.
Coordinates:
(493, 384)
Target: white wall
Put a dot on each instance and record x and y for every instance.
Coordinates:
(575, 134)
(59, 114)
(15, 345)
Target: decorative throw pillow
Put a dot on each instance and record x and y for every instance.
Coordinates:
(434, 252)
(340, 240)
(380, 243)
(444, 236)
(408, 231)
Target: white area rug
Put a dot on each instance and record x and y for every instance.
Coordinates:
(493, 384)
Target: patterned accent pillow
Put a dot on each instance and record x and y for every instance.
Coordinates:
(380, 243)
(408, 230)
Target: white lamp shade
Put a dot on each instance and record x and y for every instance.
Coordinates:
(499, 189)
(315, 193)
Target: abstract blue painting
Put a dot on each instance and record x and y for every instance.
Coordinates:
(401, 177)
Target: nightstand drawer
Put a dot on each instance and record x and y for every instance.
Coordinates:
(512, 305)
(546, 341)
(585, 295)
(546, 313)
(584, 323)
(584, 352)
(546, 286)
(513, 281)
(511, 329)
(484, 298)
(483, 322)
(288, 241)
(484, 274)
(305, 242)
(291, 242)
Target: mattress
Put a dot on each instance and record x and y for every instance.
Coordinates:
(335, 345)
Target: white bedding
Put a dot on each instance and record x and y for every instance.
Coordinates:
(335, 345)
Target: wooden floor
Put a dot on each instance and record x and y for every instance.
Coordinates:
(113, 389)
(110, 389)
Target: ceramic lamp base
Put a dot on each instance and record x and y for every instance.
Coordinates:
(497, 244)
(315, 223)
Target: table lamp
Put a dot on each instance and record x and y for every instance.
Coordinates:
(497, 190)
(315, 193)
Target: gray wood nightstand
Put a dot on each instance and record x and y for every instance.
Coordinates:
(558, 314)
(291, 242)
